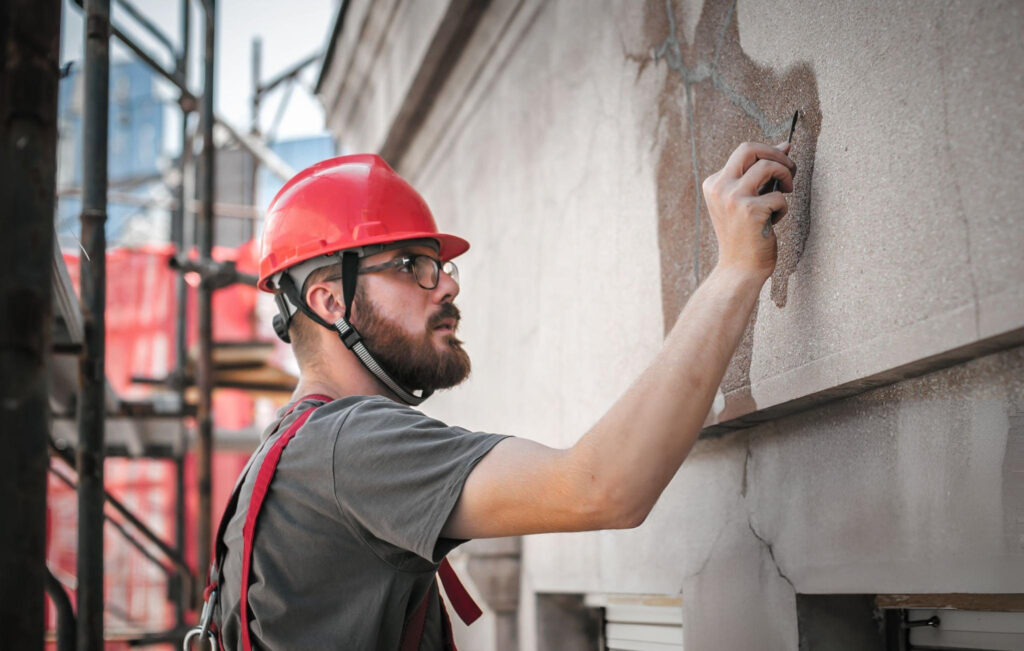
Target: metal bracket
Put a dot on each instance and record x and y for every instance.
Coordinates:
(214, 275)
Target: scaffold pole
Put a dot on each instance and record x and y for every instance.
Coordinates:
(92, 367)
(29, 70)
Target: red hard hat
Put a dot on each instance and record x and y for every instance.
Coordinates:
(344, 203)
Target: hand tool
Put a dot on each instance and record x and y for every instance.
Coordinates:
(774, 187)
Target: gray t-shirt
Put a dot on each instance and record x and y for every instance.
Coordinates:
(348, 539)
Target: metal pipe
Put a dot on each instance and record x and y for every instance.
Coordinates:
(148, 25)
(182, 597)
(254, 67)
(259, 149)
(66, 632)
(175, 559)
(148, 58)
(254, 146)
(92, 368)
(254, 126)
(30, 32)
(204, 447)
(117, 525)
(290, 73)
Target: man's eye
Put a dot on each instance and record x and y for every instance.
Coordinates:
(406, 266)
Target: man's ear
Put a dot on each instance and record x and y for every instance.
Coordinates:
(325, 302)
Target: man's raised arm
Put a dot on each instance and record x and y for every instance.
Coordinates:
(615, 473)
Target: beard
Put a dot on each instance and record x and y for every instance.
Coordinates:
(415, 362)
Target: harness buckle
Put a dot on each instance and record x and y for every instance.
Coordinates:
(202, 631)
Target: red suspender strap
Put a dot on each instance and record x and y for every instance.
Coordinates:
(460, 599)
(412, 631)
(462, 602)
(259, 492)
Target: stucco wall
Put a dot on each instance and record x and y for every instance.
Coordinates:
(567, 143)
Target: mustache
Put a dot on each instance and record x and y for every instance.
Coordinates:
(447, 311)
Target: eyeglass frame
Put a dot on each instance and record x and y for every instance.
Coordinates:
(409, 260)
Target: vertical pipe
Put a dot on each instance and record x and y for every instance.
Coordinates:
(29, 60)
(181, 600)
(91, 404)
(204, 373)
(255, 65)
(66, 632)
(257, 93)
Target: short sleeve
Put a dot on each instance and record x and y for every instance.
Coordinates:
(399, 473)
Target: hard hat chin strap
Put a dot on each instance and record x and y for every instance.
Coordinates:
(346, 331)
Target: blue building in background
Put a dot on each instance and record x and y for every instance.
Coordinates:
(138, 199)
(300, 153)
(135, 150)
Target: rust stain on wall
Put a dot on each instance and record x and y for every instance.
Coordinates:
(714, 97)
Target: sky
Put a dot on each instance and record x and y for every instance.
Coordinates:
(290, 31)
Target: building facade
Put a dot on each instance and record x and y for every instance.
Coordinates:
(863, 463)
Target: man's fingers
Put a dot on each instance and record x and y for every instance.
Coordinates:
(744, 156)
(776, 202)
(762, 173)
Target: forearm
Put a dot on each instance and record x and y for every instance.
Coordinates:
(636, 447)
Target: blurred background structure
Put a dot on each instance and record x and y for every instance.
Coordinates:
(860, 481)
(189, 373)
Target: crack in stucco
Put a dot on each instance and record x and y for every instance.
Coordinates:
(746, 467)
(958, 199)
(748, 457)
(671, 53)
(674, 58)
(771, 553)
(707, 559)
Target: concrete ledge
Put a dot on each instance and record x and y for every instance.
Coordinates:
(980, 327)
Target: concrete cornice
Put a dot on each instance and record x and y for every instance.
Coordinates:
(385, 66)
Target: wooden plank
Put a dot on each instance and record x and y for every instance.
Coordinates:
(963, 601)
(639, 614)
(645, 633)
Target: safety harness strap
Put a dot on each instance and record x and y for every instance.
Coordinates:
(412, 631)
(220, 549)
(259, 492)
(461, 601)
(211, 593)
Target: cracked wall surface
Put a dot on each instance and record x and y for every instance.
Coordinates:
(568, 144)
(714, 97)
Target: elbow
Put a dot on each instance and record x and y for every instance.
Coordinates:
(615, 509)
(608, 500)
(628, 518)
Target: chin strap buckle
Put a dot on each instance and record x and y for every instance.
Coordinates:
(347, 333)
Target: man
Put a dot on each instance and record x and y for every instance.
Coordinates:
(370, 494)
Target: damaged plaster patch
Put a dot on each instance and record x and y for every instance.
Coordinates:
(715, 97)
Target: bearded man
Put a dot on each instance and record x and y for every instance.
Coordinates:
(339, 525)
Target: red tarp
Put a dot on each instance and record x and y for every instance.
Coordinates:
(141, 320)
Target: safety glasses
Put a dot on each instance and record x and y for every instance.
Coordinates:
(425, 269)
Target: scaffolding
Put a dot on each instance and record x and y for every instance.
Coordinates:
(49, 323)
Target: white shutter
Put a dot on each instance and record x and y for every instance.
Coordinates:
(968, 629)
(641, 622)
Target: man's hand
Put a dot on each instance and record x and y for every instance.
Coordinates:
(739, 213)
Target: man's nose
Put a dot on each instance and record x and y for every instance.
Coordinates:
(447, 288)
